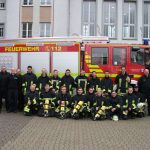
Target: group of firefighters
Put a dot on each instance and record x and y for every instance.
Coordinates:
(54, 96)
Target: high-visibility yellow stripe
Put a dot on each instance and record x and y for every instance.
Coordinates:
(96, 70)
(88, 61)
(103, 75)
(136, 76)
(60, 74)
(87, 56)
(100, 75)
(93, 66)
(87, 74)
(113, 75)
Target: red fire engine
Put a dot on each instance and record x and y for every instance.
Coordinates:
(75, 53)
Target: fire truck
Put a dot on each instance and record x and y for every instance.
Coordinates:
(75, 53)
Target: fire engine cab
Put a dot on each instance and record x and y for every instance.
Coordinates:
(75, 53)
(111, 57)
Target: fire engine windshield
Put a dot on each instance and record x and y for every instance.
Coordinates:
(137, 56)
(99, 56)
(147, 58)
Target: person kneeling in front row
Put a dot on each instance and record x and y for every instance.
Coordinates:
(114, 106)
(78, 104)
(63, 103)
(31, 101)
(47, 103)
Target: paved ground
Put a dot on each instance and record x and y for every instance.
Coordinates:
(18, 132)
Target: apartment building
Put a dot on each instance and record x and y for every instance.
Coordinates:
(123, 21)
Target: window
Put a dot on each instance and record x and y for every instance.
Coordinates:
(27, 2)
(2, 5)
(99, 56)
(119, 56)
(26, 30)
(1, 30)
(46, 2)
(109, 19)
(146, 17)
(129, 20)
(44, 29)
(137, 56)
(147, 58)
(89, 18)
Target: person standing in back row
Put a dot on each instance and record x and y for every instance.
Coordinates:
(4, 87)
(68, 81)
(123, 82)
(28, 79)
(55, 82)
(13, 83)
(94, 82)
(82, 81)
(144, 87)
(43, 80)
(20, 94)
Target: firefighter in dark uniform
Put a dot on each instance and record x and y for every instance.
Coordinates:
(79, 104)
(43, 80)
(4, 87)
(107, 84)
(91, 102)
(94, 82)
(28, 79)
(68, 81)
(20, 94)
(114, 104)
(55, 81)
(47, 103)
(144, 87)
(31, 101)
(100, 107)
(13, 83)
(82, 81)
(63, 104)
(130, 100)
(141, 102)
(123, 82)
(139, 95)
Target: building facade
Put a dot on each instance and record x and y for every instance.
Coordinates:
(123, 21)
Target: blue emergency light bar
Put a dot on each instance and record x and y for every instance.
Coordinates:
(146, 41)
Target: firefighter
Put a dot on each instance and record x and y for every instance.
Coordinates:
(107, 84)
(13, 83)
(43, 80)
(63, 103)
(100, 107)
(20, 94)
(79, 104)
(47, 103)
(131, 102)
(68, 81)
(4, 87)
(94, 82)
(82, 81)
(31, 101)
(114, 104)
(144, 87)
(55, 81)
(141, 102)
(91, 102)
(123, 82)
(28, 79)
